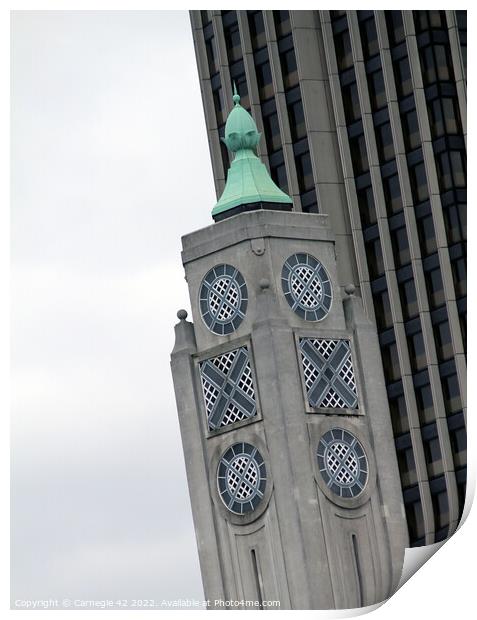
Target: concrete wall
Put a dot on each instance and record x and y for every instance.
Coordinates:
(301, 533)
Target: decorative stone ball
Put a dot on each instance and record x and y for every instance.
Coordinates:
(182, 315)
(264, 283)
(350, 289)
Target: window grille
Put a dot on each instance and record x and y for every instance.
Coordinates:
(307, 287)
(241, 478)
(223, 299)
(342, 463)
(328, 372)
(228, 390)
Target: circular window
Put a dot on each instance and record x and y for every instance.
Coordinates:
(223, 299)
(342, 463)
(307, 287)
(241, 478)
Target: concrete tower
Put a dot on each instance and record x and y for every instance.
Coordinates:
(284, 416)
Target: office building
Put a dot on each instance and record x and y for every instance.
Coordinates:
(363, 118)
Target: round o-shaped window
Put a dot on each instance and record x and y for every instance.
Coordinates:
(223, 299)
(342, 463)
(307, 287)
(241, 478)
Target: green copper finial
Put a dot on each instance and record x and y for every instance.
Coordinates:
(249, 185)
(236, 96)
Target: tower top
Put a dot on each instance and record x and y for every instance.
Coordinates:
(249, 185)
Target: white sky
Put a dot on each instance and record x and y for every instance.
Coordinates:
(110, 166)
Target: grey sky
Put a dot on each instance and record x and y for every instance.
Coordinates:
(110, 166)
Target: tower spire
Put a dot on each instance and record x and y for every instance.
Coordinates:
(236, 96)
(249, 186)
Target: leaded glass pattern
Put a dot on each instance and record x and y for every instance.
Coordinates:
(342, 463)
(227, 386)
(241, 478)
(223, 299)
(328, 372)
(307, 287)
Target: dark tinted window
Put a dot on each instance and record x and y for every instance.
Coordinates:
(455, 218)
(417, 176)
(218, 97)
(389, 352)
(223, 149)
(304, 171)
(444, 116)
(271, 126)
(425, 20)
(344, 56)
(309, 203)
(395, 27)
(392, 194)
(459, 268)
(359, 155)
(405, 456)
(288, 63)
(414, 516)
(375, 258)
(382, 305)
(377, 92)
(450, 388)
(402, 76)
(440, 504)
(282, 23)
(369, 37)
(257, 29)
(296, 117)
(384, 142)
(278, 170)
(264, 80)
(232, 40)
(458, 438)
(367, 209)
(426, 231)
(400, 245)
(442, 335)
(436, 64)
(407, 293)
(351, 102)
(424, 401)
(415, 342)
(410, 130)
(397, 405)
(435, 287)
(211, 55)
(432, 450)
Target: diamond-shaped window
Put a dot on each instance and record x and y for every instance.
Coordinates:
(328, 372)
(227, 386)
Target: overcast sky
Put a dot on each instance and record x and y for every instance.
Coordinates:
(110, 166)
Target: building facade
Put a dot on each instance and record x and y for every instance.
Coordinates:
(363, 118)
(282, 403)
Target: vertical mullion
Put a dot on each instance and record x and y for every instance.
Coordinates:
(282, 113)
(444, 260)
(390, 270)
(348, 173)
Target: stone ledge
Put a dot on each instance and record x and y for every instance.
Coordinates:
(253, 225)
